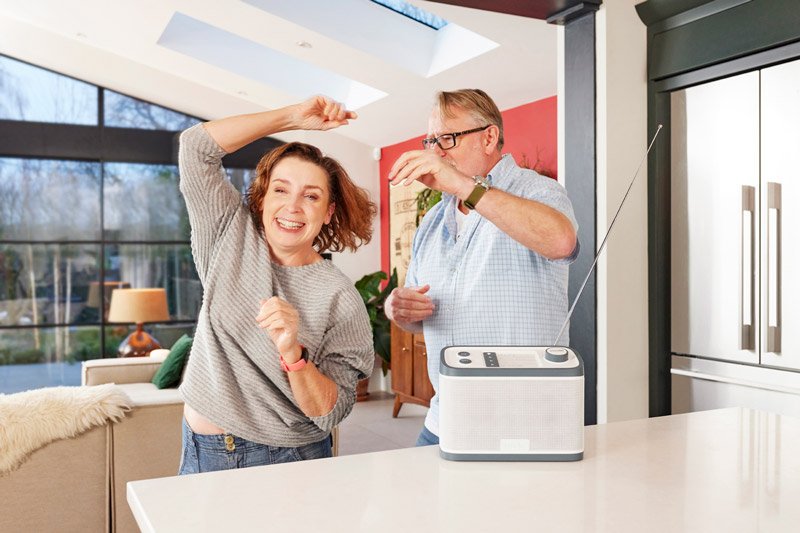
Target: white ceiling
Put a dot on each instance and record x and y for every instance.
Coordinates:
(115, 43)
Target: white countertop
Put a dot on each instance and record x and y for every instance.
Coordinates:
(724, 470)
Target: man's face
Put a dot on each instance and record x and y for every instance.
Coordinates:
(472, 154)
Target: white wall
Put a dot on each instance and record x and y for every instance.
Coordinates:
(622, 350)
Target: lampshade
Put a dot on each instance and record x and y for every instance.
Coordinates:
(138, 305)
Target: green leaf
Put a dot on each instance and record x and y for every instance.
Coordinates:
(369, 285)
(374, 298)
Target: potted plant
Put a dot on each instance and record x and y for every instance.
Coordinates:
(369, 287)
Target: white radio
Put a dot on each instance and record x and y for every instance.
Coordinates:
(510, 403)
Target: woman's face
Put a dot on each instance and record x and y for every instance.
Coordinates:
(295, 207)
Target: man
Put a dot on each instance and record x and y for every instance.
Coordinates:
(489, 263)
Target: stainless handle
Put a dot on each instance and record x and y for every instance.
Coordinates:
(774, 267)
(747, 265)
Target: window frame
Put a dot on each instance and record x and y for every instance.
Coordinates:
(102, 144)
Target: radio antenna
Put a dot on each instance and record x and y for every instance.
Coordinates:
(603, 244)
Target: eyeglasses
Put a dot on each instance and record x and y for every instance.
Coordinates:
(448, 140)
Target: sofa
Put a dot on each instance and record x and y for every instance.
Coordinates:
(79, 484)
(147, 443)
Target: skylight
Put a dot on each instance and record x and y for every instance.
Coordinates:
(413, 12)
(371, 27)
(215, 46)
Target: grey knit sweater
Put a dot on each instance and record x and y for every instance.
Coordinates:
(234, 377)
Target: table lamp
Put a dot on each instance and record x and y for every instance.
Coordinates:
(138, 306)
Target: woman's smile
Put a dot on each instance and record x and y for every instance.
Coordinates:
(290, 225)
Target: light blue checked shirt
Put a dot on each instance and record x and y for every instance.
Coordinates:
(488, 288)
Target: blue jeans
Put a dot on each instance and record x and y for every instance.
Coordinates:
(426, 438)
(209, 453)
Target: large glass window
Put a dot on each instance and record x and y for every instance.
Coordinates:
(33, 94)
(47, 283)
(40, 357)
(143, 203)
(240, 178)
(75, 227)
(167, 266)
(122, 111)
(45, 200)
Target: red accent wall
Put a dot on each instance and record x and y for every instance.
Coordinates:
(531, 130)
(530, 133)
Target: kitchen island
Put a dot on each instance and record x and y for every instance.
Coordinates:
(723, 470)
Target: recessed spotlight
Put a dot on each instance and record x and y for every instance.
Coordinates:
(303, 44)
(80, 35)
(241, 93)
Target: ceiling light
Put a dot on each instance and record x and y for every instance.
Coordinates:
(303, 44)
(241, 93)
(80, 35)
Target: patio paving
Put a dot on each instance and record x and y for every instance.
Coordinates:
(18, 378)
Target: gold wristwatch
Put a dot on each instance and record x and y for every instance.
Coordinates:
(481, 186)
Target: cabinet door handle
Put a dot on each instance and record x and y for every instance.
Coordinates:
(746, 266)
(774, 267)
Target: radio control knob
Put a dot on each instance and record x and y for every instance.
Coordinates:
(556, 355)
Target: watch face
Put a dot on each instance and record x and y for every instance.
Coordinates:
(304, 354)
(480, 180)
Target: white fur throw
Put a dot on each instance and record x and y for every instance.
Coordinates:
(31, 419)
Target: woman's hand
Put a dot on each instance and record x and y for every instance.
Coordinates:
(281, 320)
(321, 113)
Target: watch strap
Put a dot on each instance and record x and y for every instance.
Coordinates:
(481, 186)
(297, 365)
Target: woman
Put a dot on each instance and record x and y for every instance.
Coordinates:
(282, 336)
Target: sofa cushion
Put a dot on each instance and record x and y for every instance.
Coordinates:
(142, 394)
(169, 374)
(122, 370)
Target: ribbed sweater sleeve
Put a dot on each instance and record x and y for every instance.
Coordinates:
(345, 351)
(210, 198)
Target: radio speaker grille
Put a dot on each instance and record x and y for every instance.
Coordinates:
(479, 414)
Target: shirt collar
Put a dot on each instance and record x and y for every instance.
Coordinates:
(505, 164)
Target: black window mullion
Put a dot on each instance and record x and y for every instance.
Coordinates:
(102, 273)
(101, 119)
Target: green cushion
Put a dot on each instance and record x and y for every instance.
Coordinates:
(169, 375)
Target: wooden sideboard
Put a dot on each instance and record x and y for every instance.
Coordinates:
(410, 381)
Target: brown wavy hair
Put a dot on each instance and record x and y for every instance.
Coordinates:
(351, 223)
